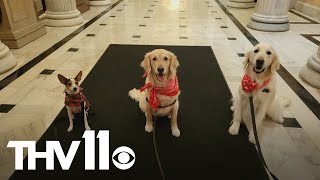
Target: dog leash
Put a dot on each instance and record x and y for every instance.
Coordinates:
(155, 147)
(256, 137)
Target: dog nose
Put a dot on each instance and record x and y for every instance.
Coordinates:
(75, 88)
(259, 62)
(160, 69)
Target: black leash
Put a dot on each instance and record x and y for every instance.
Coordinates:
(256, 137)
(155, 147)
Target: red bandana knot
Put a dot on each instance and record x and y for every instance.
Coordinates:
(171, 89)
(248, 85)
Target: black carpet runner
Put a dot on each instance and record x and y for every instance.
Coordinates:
(204, 150)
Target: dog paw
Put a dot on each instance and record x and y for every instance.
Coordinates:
(87, 127)
(280, 120)
(251, 138)
(175, 132)
(234, 128)
(148, 128)
(70, 128)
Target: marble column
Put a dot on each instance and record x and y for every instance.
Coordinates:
(7, 61)
(270, 15)
(100, 2)
(243, 4)
(19, 24)
(62, 13)
(310, 73)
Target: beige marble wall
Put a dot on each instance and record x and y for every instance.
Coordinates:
(312, 2)
(19, 23)
(309, 7)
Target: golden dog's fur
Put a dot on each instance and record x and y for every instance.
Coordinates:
(166, 60)
(265, 103)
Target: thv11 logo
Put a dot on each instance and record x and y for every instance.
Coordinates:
(123, 157)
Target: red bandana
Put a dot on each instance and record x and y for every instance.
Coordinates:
(74, 100)
(248, 85)
(171, 89)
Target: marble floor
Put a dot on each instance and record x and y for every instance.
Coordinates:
(29, 104)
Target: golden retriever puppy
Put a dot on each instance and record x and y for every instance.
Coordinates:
(260, 66)
(159, 96)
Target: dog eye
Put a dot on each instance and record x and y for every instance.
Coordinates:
(268, 52)
(69, 84)
(154, 58)
(165, 58)
(256, 51)
(76, 83)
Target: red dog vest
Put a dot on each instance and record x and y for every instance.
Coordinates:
(74, 100)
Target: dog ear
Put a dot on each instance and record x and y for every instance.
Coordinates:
(246, 60)
(275, 62)
(174, 64)
(62, 79)
(78, 77)
(145, 64)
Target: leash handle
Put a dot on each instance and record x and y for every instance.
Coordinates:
(256, 137)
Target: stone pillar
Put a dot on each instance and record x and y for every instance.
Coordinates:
(7, 61)
(311, 71)
(19, 24)
(243, 4)
(100, 2)
(271, 15)
(62, 13)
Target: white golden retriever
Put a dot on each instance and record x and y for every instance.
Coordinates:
(260, 64)
(160, 66)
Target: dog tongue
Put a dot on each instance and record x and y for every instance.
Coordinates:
(160, 78)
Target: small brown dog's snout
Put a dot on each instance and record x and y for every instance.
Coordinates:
(75, 89)
(160, 70)
(259, 63)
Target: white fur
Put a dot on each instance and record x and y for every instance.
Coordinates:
(264, 103)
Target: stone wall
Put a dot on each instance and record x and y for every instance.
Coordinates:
(309, 7)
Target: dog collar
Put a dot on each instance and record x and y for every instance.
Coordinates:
(248, 85)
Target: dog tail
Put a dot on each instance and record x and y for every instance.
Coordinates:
(135, 94)
(284, 102)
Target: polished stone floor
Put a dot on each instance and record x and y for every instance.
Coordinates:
(32, 100)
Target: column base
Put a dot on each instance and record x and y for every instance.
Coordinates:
(268, 26)
(7, 61)
(310, 76)
(269, 23)
(100, 3)
(243, 4)
(21, 37)
(62, 20)
(310, 73)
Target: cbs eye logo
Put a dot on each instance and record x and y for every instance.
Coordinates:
(123, 158)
